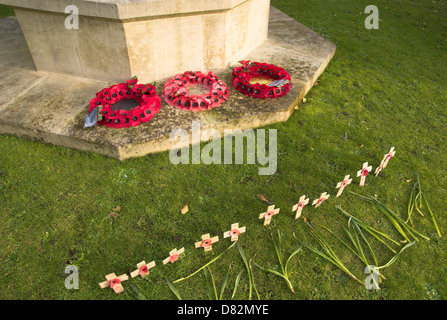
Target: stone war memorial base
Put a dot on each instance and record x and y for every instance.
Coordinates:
(50, 106)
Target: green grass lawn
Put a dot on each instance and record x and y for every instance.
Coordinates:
(384, 88)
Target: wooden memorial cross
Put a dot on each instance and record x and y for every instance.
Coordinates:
(267, 216)
(207, 242)
(234, 232)
(363, 173)
(173, 255)
(114, 282)
(385, 160)
(342, 185)
(299, 206)
(323, 197)
(143, 269)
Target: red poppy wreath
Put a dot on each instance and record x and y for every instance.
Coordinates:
(280, 81)
(126, 104)
(176, 94)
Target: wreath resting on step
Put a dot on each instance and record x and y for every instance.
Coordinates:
(280, 84)
(111, 113)
(176, 92)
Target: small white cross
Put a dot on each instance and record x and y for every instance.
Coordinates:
(207, 242)
(385, 160)
(323, 197)
(234, 232)
(267, 216)
(143, 269)
(299, 206)
(363, 173)
(343, 184)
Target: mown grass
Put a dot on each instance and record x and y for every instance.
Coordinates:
(383, 88)
(6, 11)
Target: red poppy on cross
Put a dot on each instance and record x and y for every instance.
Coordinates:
(267, 216)
(173, 255)
(207, 242)
(143, 269)
(114, 282)
(342, 185)
(385, 160)
(234, 232)
(323, 197)
(363, 173)
(299, 206)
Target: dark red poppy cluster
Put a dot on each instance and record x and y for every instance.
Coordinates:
(144, 94)
(242, 76)
(176, 94)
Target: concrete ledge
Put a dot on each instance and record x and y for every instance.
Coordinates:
(125, 10)
(51, 108)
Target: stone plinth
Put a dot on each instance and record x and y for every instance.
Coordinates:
(51, 107)
(153, 39)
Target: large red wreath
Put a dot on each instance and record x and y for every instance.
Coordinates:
(149, 104)
(176, 94)
(280, 85)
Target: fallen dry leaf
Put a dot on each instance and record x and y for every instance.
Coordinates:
(185, 209)
(262, 198)
(409, 180)
(362, 146)
(117, 209)
(113, 215)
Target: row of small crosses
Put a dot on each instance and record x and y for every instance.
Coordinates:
(303, 201)
(143, 268)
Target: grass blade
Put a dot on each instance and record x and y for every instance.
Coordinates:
(173, 289)
(250, 291)
(253, 280)
(330, 255)
(291, 256)
(278, 274)
(380, 236)
(213, 283)
(208, 288)
(224, 283)
(432, 216)
(206, 265)
(393, 259)
(236, 284)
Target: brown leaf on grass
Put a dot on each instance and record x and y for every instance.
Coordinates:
(117, 209)
(185, 209)
(262, 198)
(362, 146)
(113, 215)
